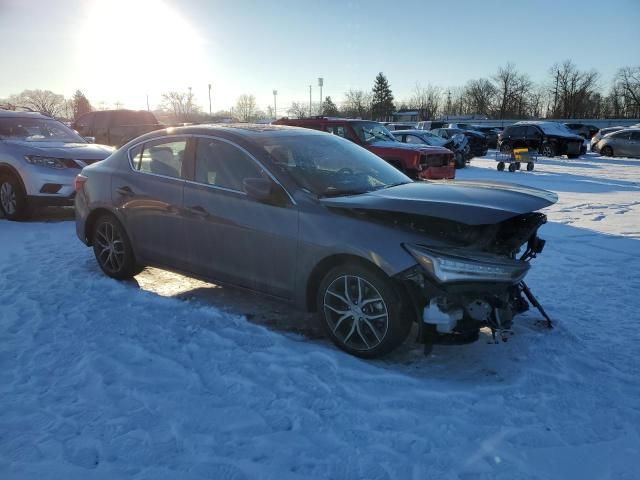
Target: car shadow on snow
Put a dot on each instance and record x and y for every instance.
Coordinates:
(570, 304)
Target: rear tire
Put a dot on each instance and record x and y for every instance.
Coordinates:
(500, 166)
(363, 311)
(530, 166)
(13, 199)
(606, 151)
(112, 249)
(512, 167)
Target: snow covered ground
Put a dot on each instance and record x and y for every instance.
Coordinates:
(108, 380)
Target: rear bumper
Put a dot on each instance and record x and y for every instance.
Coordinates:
(438, 173)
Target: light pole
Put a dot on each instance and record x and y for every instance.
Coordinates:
(310, 110)
(320, 83)
(275, 107)
(209, 99)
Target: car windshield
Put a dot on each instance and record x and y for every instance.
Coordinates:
(370, 132)
(328, 165)
(37, 130)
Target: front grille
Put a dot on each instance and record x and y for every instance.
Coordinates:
(435, 160)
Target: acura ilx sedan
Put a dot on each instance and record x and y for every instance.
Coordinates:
(314, 219)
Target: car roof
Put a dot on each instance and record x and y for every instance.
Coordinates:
(20, 114)
(239, 130)
(314, 120)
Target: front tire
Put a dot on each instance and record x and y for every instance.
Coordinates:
(606, 151)
(13, 199)
(112, 249)
(362, 310)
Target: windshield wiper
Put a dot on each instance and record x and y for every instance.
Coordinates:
(391, 185)
(342, 193)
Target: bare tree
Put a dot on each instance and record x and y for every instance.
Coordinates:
(627, 83)
(246, 108)
(480, 95)
(512, 90)
(181, 105)
(298, 109)
(43, 101)
(572, 90)
(357, 104)
(426, 101)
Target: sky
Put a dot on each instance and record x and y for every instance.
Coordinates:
(118, 52)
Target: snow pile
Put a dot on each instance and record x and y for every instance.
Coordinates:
(103, 380)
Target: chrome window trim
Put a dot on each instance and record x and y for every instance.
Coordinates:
(212, 137)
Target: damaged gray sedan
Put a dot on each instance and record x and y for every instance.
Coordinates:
(316, 220)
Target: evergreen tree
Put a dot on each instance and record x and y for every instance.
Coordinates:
(329, 108)
(382, 103)
(81, 104)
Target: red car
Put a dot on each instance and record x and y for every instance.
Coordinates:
(416, 161)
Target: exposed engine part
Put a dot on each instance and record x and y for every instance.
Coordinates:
(479, 310)
(436, 313)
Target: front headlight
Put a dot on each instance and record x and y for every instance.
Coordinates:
(50, 162)
(452, 266)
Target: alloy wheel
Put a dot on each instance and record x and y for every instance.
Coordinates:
(8, 198)
(547, 150)
(356, 312)
(110, 247)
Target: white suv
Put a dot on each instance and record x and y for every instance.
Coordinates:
(39, 159)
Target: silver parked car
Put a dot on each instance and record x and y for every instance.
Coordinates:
(314, 219)
(601, 133)
(623, 143)
(39, 159)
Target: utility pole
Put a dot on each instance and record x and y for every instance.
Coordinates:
(448, 103)
(310, 110)
(275, 108)
(148, 110)
(209, 99)
(320, 84)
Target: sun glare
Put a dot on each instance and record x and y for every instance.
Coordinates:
(130, 48)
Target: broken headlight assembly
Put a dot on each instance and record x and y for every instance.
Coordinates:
(456, 266)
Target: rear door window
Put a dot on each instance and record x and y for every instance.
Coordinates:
(160, 157)
(337, 130)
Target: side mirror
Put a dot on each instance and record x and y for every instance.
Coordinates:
(90, 139)
(260, 189)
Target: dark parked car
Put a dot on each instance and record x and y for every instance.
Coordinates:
(319, 221)
(477, 141)
(416, 161)
(459, 145)
(116, 127)
(547, 138)
(490, 132)
(582, 129)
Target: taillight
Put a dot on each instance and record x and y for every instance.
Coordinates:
(79, 182)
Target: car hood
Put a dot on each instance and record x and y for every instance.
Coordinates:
(468, 202)
(407, 146)
(87, 151)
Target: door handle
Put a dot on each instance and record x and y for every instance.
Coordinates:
(198, 211)
(124, 191)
